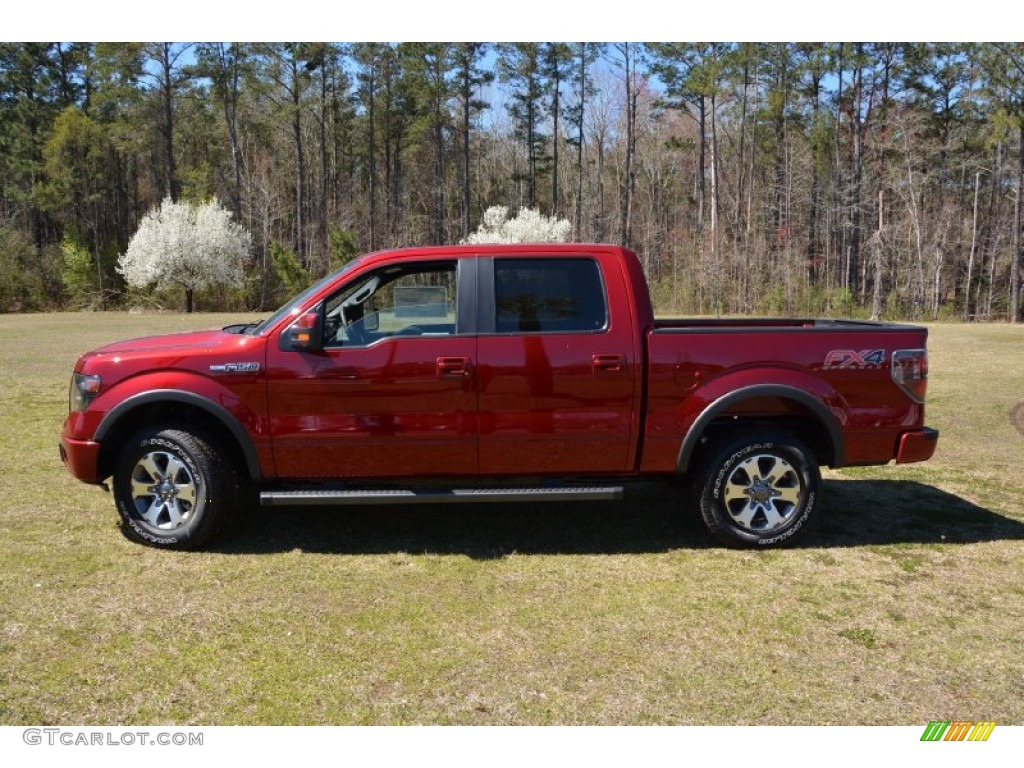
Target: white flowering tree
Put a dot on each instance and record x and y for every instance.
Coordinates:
(193, 246)
(529, 226)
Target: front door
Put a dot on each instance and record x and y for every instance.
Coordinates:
(392, 394)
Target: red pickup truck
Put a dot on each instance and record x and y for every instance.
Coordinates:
(492, 373)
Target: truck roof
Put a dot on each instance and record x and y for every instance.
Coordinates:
(492, 249)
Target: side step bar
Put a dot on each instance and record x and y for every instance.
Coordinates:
(438, 496)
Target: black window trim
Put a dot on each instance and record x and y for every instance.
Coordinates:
(487, 314)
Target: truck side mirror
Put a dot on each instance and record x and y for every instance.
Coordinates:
(305, 334)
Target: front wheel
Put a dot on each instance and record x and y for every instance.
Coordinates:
(173, 488)
(759, 490)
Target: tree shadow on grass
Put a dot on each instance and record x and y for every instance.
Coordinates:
(654, 517)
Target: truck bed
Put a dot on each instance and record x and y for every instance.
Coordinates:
(747, 324)
(844, 364)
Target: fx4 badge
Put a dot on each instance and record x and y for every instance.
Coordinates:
(852, 358)
(235, 368)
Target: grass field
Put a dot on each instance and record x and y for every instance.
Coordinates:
(906, 607)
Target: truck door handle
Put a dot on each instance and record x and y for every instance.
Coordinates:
(348, 373)
(609, 363)
(453, 366)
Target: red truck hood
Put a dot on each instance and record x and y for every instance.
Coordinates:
(195, 351)
(192, 340)
(169, 351)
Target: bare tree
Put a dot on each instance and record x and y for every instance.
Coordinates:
(169, 77)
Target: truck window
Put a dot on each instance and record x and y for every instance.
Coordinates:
(549, 296)
(408, 300)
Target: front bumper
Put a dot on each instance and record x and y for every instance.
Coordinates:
(918, 445)
(81, 457)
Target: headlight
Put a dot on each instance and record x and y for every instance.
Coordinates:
(83, 391)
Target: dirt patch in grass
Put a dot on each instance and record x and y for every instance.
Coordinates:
(1017, 417)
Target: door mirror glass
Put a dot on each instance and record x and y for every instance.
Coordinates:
(304, 335)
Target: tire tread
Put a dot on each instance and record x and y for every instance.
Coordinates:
(716, 519)
(219, 480)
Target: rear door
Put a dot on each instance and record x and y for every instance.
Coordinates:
(556, 366)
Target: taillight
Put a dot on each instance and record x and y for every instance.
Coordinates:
(910, 371)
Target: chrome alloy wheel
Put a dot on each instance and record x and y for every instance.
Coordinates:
(163, 490)
(763, 492)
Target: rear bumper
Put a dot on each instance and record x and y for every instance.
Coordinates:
(81, 457)
(918, 445)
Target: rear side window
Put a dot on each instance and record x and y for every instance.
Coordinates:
(549, 296)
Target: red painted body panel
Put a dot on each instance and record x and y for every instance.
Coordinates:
(81, 457)
(544, 409)
(691, 370)
(616, 401)
(917, 445)
(179, 362)
(378, 411)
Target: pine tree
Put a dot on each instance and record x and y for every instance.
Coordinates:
(520, 66)
(470, 77)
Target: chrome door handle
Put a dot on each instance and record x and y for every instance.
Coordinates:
(609, 363)
(453, 366)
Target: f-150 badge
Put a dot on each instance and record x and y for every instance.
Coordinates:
(235, 368)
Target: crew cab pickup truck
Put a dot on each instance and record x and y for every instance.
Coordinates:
(492, 373)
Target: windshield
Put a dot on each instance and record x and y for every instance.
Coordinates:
(292, 306)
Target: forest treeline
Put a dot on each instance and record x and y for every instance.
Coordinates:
(871, 179)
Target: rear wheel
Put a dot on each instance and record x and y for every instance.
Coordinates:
(759, 490)
(174, 488)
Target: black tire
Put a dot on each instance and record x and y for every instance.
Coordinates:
(759, 490)
(174, 488)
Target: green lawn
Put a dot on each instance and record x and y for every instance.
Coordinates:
(906, 607)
